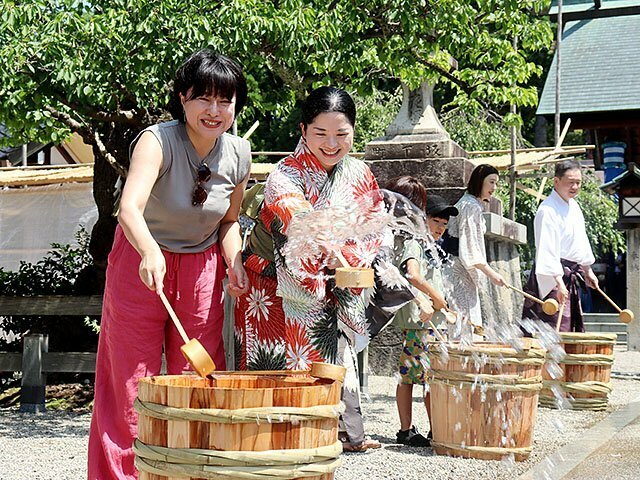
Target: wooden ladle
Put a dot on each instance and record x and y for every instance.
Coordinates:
(328, 371)
(626, 315)
(352, 277)
(549, 306)
(193, 351)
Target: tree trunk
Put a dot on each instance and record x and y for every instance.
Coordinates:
(540, 138)
(116, 140)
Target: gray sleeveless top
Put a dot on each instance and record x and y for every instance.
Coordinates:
(174, 222)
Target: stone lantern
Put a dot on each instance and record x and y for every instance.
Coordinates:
(627, 187)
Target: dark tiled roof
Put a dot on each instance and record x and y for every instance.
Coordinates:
(600, 69)
(570, 6)
(14, 153)
(632, 171)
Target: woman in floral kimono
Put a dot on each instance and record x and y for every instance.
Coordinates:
(288, 319)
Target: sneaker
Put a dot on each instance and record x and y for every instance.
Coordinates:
(413, 438)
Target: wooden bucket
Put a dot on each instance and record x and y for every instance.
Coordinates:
(273, 424)
(585, 377)
(484, 400)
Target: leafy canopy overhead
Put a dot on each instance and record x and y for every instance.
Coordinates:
(101, 67)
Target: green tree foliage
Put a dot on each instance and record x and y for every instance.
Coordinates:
(481, 130)
(103, 69)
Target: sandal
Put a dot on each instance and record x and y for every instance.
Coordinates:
(367, 443)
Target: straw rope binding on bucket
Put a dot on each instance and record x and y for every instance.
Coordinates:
(594, 404)
(472, 448)
(601, 388)
(241, 415)
(587, 359)
(252, 465)
(492, 356)
(591, 338)
(510, 383)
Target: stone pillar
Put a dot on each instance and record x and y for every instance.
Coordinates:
(633, 288)
(416, 144)
(498, 304)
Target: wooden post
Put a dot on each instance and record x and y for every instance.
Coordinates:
(33, 388)
(633, 287)
(556, 126)
(513, 146)
(228, 331)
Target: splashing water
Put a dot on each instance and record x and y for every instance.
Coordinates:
(313, 235)
(509, 462)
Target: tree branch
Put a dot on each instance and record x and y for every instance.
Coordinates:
(290, 77)
(464, 86)
(90, 136)
(125, 116)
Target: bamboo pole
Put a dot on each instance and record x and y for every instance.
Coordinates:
(251, 130)
(540, 190)
(512, 168)
(527, 150)
(558, 71)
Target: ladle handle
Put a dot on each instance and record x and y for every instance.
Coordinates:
(613, 304)
(174, 317)
(437, 333)
(560, 313)
(341, 259)
(527, 295)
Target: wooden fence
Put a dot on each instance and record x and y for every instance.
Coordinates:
(36, 361)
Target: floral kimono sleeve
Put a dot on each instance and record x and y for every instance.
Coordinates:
(284, 197)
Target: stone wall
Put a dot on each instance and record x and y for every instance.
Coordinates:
(500, 303)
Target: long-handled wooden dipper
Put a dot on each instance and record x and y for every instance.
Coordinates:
(193, 351)
(352, 277)
(560, 313)
(549, 306)
(427, 308)
(626, 315)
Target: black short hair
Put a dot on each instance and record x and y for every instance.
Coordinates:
(564, 166)
(208, 73)
(325, 100)
(474, 187)
(411, 188)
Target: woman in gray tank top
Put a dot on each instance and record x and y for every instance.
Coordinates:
(178, 219)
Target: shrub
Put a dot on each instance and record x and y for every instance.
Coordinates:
(56, 274)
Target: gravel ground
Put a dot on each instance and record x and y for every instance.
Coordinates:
(53, 445)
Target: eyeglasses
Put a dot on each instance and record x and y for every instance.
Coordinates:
(199, 193)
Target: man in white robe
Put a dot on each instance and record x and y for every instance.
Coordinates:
(563, 251)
